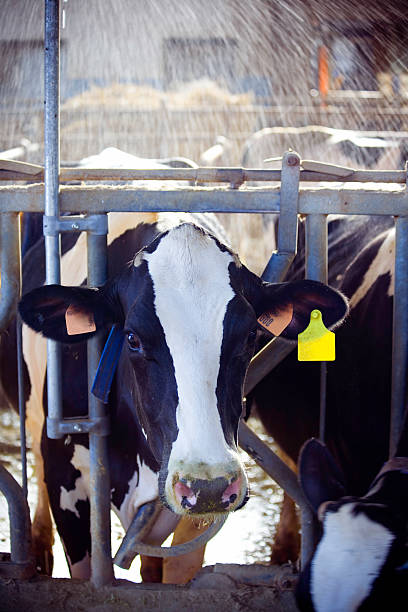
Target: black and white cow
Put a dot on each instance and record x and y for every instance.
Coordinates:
(361, 560)
(188, 309)
(361, 265)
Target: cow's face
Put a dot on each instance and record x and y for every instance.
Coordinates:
(189, 314)
(363, 544)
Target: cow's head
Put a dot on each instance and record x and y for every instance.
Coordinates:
(189, 311)
(361, 561)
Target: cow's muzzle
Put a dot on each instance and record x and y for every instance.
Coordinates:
(208, 496)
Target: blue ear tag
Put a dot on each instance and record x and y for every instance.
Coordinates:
(108, 364)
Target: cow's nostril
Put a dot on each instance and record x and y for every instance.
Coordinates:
(231, 492)
(185, 495)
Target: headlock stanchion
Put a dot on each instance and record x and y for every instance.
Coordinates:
(54, 199)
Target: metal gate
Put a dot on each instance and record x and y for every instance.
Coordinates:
(88, 207)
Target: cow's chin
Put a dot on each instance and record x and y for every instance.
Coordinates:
(206, 493)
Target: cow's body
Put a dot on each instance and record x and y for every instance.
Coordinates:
(361, 252)
(66, 462)
(361, 264)
(320, 143)
(188, 310)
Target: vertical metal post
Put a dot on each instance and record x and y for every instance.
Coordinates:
(21, 406)
(283, 475)
(101, 559)
(281, 259)
(400, 332)
(51, 207)
(317, 269)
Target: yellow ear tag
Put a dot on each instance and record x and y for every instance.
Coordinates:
(316, 343)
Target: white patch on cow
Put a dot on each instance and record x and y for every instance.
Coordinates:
(69, 499)
(383, 263)
(81, 569)
(143, 488)
(192, 291)
(168, 221)
(348, 559)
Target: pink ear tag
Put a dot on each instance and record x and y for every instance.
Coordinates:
(276, 322)
(79, 321)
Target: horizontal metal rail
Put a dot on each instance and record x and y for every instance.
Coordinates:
(124, 198)
(203, 175)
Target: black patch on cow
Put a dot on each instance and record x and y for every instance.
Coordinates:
(239, 333)
(359, 380)
(124, 247)
(150, 373)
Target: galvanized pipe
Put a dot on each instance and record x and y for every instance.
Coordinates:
(10, 267)
(136, 540)
(265, 361)
(101, 198)
(283, 475)
(51, 203)
(281, 259)
(317, 269)
(199, 175)
(21, 406)
(101, 559)
(19, 516)
(400, 333)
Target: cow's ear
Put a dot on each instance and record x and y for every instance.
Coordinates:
(66, 314)
(320, 477)
(291, 303)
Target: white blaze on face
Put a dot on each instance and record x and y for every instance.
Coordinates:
(192, 291)
(347, 561)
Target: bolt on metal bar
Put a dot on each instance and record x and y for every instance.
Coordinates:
(101, 559)
(51, 203)
(317, 269)
(400, 333)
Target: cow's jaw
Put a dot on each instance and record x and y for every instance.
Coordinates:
(191, 282)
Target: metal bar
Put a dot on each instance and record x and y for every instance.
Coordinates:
(101, 559)
(207, 175)
(265, 361)
(10, 267)
(283, 475)
(21, 406)
(317, 269)
(316, 248)
(281, 259)
(19, 515)
(51, 202)
(102, 198)
(400, 332)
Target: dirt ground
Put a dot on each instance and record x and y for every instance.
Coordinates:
(218, 588)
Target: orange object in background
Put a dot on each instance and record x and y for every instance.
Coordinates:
(323, 72)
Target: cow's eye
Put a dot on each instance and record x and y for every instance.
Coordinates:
(134, 342)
